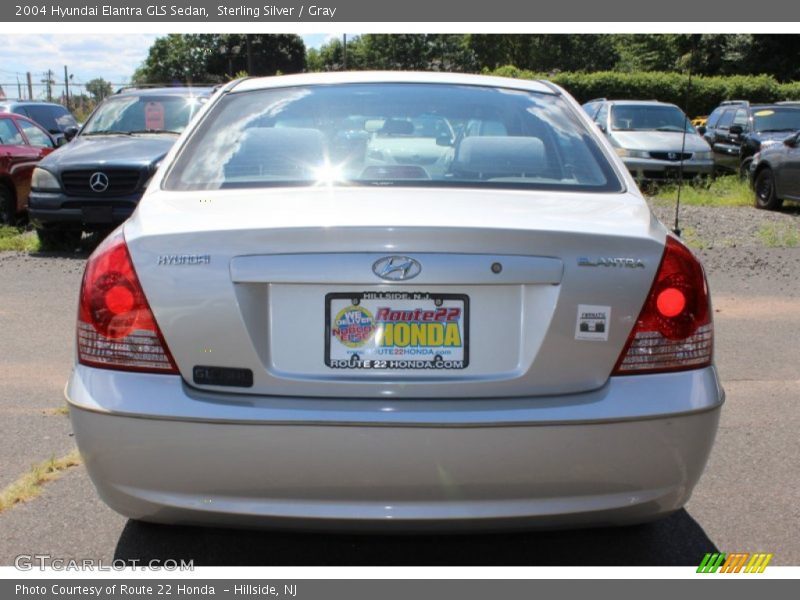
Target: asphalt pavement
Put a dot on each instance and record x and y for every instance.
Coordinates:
(745, 502)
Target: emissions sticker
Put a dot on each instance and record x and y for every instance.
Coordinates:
(593, 322)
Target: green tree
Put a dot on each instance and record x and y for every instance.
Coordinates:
(98, 88)
(214, 58)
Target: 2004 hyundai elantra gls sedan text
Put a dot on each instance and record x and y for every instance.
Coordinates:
(376, 300)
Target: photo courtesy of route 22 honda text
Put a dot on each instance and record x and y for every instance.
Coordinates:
(394, 301)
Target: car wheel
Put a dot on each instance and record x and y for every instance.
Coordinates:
(58, 239)
(744, 169)
(7, 209)
(765, 191)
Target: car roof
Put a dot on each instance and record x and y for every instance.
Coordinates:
(249, 84)
(165, 91)
(30, 103)
(640, 103)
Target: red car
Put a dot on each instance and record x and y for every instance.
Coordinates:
(23, 143)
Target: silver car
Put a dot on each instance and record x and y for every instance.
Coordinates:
(655, 140)
(291, 332)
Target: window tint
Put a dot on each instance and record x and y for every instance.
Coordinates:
(384, 134)
(740, 118)
(726, 119)
(777, 119)
(35, 135)
(714, 117)
(53, 118)
(9, 134)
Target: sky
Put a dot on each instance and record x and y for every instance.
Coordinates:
(114, 58)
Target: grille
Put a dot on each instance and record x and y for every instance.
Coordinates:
(676, 156)
(120, 181)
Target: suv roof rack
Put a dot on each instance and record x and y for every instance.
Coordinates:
(733, 102)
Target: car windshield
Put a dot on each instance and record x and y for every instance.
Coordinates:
(392, 133)
(776, 119)
(130, 114)
(649, 117)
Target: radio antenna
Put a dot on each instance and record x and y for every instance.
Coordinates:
(677, 228)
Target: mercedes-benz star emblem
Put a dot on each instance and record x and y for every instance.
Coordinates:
(396, 268)
(98, 182)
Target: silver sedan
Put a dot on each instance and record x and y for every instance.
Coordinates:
(323, 315)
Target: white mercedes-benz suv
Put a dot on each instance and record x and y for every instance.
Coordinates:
(394, 300)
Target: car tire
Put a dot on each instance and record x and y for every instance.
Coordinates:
(744, 169)
(8, 214)
(764, 188)
(59, 239)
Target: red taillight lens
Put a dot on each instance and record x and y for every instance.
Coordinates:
(116, 328)
(674, 330)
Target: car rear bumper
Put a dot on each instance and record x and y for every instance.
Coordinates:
(652, 169)
(59, 211)
(583, 459)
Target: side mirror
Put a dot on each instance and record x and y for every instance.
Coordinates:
(70, 132)
(61, 140)
(791, 142)
(736, 130)
(601, 127)
(701, 129)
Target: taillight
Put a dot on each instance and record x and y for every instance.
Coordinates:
(116, 328)
(674, 330)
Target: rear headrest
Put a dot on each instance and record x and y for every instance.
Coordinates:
(398, 127)
(277, 151)
(501, 156)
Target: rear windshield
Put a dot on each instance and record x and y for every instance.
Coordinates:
(632, 117)
(387, 134)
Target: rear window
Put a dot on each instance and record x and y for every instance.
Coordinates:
(387, 134)
(53, 118)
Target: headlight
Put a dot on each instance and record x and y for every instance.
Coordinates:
(44, 180)
(703, 155)
(766, 143)
(625, 153)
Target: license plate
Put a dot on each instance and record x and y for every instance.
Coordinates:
(97, 214)
(396, 330)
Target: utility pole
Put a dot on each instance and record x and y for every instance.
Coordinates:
(30, 86)
(19, 88)
(48, 81)
(249, 54)
(66, 87)
(344, 51)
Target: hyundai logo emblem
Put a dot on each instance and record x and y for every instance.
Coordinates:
(98, 182)
(672, 156)
(396, 268)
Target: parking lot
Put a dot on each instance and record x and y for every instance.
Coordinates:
(746, 501)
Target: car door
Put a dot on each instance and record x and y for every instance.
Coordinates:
(726, 152)
(15, 157)
(788, 183)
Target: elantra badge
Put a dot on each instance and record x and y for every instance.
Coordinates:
(396, 268)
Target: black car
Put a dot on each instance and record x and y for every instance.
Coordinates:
(775, 173)
(53, 117)
(95, 182)
(736, 130)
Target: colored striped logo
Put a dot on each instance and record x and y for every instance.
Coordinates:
(734, 563)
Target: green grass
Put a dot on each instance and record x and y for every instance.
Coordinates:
(29, 485)
(19, 240)
(723, 191)
(779, 235)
